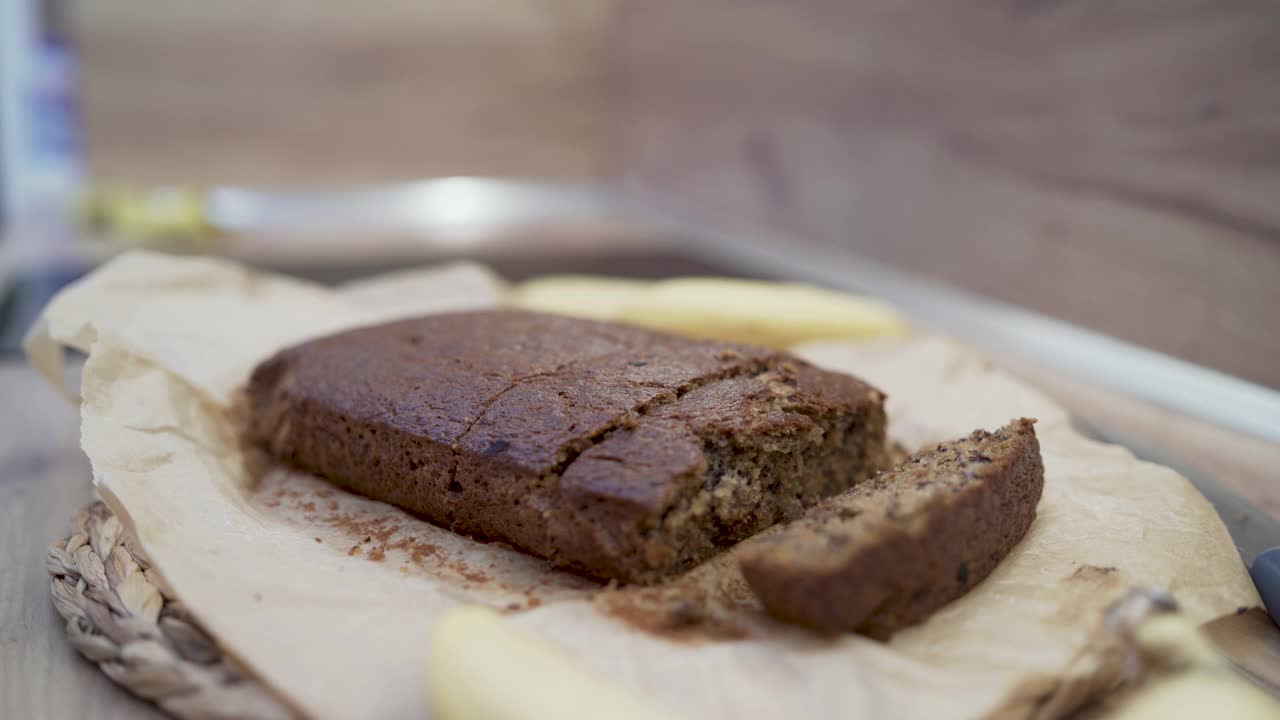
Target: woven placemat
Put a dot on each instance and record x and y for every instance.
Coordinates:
(120, 617)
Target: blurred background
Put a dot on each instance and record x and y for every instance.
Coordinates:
(1112, 165)
(1115, 165)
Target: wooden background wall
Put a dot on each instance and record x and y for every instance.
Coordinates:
(324, 91)
(1113, 164)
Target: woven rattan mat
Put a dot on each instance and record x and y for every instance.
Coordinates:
(120, 617)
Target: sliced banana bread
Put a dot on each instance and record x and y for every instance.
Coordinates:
(618, 452)
(891, 551)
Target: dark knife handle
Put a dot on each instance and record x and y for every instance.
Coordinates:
(1266, 575)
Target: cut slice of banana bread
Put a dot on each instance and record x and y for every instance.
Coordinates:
(891, 551)
(618, 452)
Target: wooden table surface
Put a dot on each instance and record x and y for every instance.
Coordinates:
(44, 479)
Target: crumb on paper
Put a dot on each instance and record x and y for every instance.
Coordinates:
(1092, 572)
(490, 572)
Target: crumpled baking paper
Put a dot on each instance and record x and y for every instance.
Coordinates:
(330, 598)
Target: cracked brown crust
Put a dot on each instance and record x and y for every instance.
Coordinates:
(890, 552)
(618, 452)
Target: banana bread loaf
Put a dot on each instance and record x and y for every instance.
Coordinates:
(618, 452)
(891, 551)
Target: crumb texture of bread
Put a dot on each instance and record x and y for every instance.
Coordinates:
(618, 452)
(890, 552)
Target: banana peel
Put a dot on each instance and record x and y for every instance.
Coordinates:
(594, 297)
(1187, 677)
(481, 669)
(170, 218)
(747, 311)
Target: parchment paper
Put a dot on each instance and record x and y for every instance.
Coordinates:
(330, 598)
